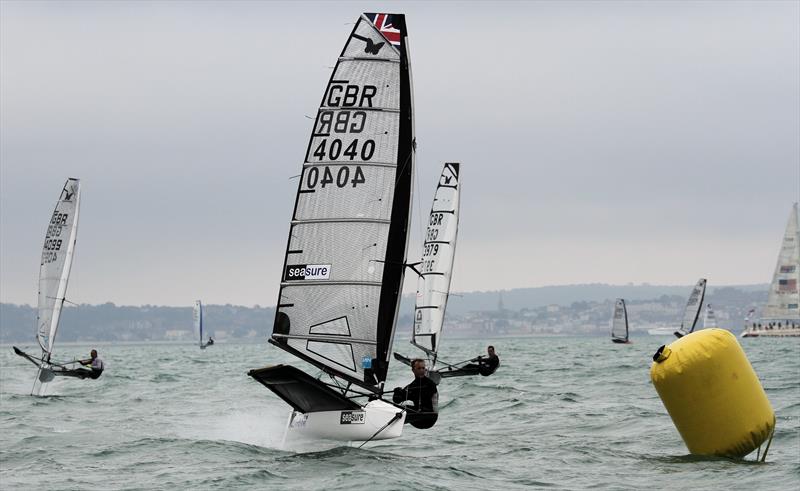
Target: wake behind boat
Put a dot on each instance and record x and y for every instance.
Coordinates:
(54, 270)
(346, 254)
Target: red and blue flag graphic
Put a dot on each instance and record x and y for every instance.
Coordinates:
(384, 24)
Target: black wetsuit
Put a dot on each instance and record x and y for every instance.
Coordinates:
(485, 366)
(424, 398)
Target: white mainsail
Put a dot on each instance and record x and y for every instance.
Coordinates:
(783, 302)
(692, 311)
(197, 315)
(56, 262)
(346, 254)
(436, 267)
(619, 322)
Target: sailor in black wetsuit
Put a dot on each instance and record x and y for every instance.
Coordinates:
(486, 366)
(422, 394)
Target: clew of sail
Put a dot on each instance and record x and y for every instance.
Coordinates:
(783, 302)
(197, 316)
(619, 322)
(346, 252)
(692, 311)
(56, 262)
(436, 267)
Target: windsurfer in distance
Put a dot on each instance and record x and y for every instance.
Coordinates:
(485, 366)
(422, 394)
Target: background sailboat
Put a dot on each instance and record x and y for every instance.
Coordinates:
(692, 310)
(346, 254)
(619, 323)
(781, 314)
(56, 263)
(197, 315)
(435, 269)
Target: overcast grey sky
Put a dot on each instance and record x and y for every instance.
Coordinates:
(600, 141)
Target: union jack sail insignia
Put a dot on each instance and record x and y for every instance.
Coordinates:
(383, 22)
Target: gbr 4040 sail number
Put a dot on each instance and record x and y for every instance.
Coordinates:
(347, 108)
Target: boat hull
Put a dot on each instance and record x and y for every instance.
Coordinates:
(377, 420)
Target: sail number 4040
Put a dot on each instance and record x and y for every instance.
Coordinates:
(352, 151)
(316, 177)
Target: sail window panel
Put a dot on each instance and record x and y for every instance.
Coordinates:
(334, 327)
(370, 199)
(314, 305)
(376, 47)
(353, 251)
(359, 84)
(369, 137)
(337, 353)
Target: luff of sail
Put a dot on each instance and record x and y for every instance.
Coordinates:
(346, 252)
(56, 262)
(436, 267)
(692, 311)
(619, 321)
(783, 302)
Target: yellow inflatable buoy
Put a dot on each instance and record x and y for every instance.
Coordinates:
(712, 394)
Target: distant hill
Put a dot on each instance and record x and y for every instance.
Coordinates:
(109, 322)
(530, 298)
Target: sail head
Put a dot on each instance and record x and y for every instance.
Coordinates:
(344, 263)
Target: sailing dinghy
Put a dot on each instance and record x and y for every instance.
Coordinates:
(346, 254)
(619, 323)
(692, 311)
(433, 285)
(56, 262)
(197, 315)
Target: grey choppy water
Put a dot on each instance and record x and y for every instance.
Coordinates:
(565, 413)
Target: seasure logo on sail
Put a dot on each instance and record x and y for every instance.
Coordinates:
(295, 272)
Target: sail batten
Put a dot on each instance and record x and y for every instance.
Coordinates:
(345, 255)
